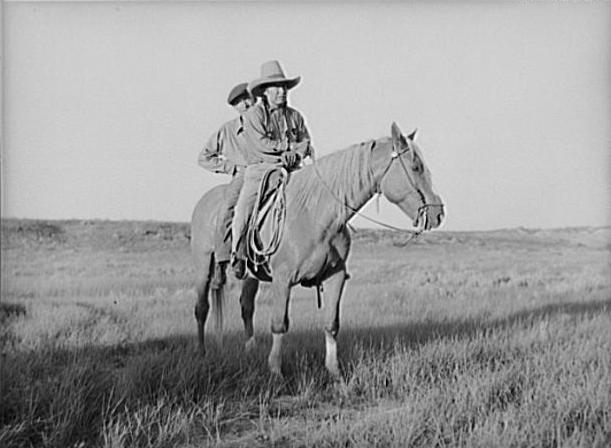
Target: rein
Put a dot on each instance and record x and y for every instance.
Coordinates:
(415, 233)
(394, 155)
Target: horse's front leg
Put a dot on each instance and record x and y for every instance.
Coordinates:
(334, 287)
(250, 287)
(281, 292)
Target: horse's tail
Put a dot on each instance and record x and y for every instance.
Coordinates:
(217, 299)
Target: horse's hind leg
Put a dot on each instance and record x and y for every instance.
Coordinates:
(202, 306)
(334, 287)
(250, 286)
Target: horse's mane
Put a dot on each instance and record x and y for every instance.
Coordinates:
(346, 173)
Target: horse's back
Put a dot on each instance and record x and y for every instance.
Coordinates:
(203, 220)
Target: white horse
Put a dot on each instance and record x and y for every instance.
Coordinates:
(320, 199)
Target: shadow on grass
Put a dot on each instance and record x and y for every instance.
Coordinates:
(59, 395)
(417, 333)
(307, 346)
(383, 337)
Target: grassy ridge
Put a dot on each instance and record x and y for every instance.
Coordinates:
(484, 339)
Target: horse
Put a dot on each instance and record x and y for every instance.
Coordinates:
(320, 200)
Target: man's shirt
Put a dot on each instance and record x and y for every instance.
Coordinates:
(225, 151)
(268, 132)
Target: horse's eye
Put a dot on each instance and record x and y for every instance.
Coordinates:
(417, 167)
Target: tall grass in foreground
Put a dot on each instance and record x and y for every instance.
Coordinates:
(446, 345)
(538, 383)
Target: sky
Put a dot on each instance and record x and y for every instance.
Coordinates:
(106, 105)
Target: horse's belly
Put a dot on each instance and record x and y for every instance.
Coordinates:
(320, 265)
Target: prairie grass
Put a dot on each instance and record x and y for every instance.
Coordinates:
(463, 339)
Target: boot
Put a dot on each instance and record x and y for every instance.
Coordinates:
(239, 267)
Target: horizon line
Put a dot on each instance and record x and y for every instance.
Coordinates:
(352, 227)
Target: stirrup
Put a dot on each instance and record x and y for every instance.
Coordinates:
(219, 278)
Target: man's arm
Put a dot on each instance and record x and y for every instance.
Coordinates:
(211, 156)
(302, 146)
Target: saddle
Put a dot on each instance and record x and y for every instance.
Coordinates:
(266, 224)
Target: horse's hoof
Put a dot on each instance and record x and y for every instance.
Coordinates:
(340, 390)
(251, 345)
(335, 376)
(333, 370)
(275, 370)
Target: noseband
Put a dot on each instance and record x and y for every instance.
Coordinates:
(394, 155)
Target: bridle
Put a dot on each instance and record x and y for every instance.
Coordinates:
(396, 155)
(421, 210)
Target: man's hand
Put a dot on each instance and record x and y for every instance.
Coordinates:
(290, 158)
(304, 149)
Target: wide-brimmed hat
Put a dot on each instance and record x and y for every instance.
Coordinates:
(237, 93)
(272, 74)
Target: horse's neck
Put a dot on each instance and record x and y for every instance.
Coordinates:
(354, 198)
(344, 183)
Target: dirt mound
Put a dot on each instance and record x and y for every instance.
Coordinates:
(32, 232)
(592, 237)
(144, 235)
(9, 311)
(93, 234)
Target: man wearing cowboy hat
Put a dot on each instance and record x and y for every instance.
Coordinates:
(225, 152)
(276, 134)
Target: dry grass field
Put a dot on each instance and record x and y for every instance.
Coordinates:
(478, 339)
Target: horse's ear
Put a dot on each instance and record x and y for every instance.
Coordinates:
(397, 136)
(412, 136)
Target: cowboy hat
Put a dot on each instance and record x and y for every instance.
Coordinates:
(237, 93)
(272, 74)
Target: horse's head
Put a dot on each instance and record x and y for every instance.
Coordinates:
(405, 180)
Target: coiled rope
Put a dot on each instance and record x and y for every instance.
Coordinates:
(257, 251)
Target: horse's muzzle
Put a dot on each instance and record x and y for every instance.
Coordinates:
(430, 216)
